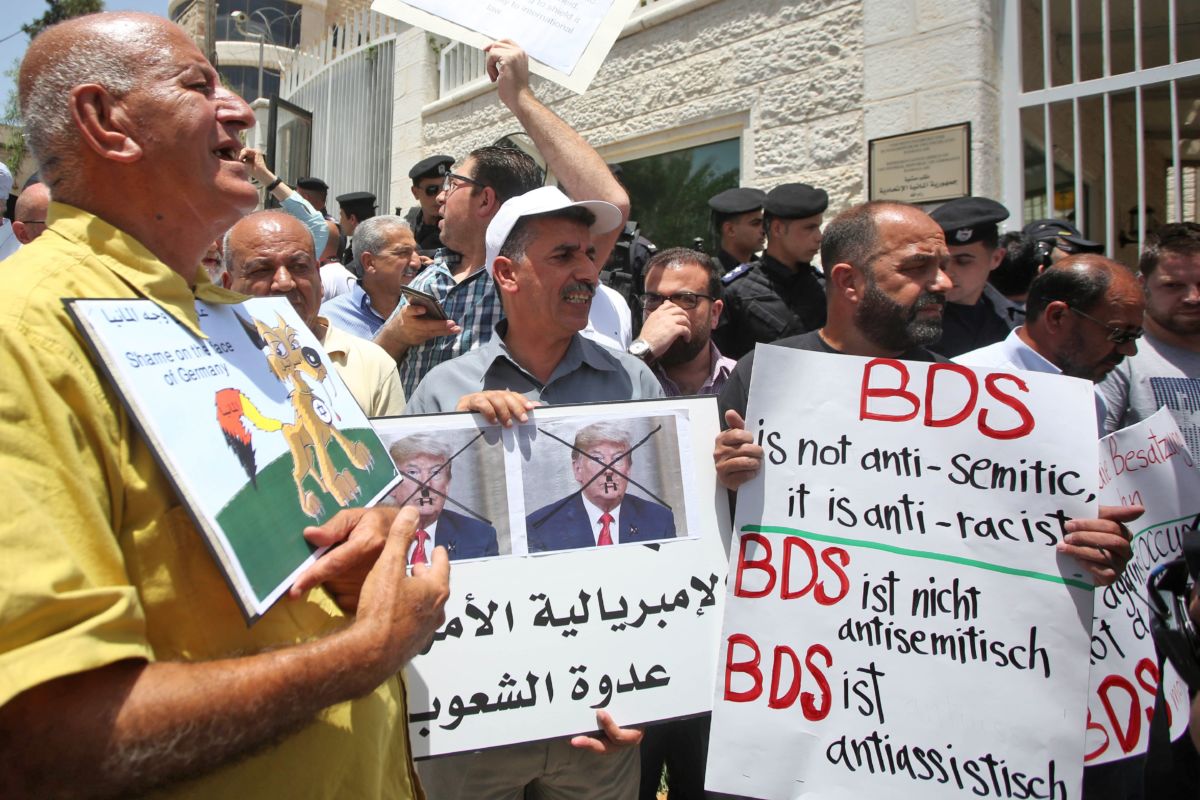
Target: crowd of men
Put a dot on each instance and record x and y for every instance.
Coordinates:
(125, 664)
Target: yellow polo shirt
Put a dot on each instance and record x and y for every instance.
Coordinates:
(100, 561)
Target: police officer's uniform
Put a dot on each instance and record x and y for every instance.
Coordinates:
(427, 234)
(311, 184)
(733, 202)
(769, 300)
(964, 221)
(362, 206)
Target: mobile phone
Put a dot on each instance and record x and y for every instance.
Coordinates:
(433, 309)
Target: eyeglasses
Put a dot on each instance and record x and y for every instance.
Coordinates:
(449, 185)
(685, 300)
(1116, 334)
(433, 189)
(33, 221)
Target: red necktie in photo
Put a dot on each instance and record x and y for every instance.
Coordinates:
(418, 556)
(605, 531)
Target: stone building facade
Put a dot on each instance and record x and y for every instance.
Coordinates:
(796, 90)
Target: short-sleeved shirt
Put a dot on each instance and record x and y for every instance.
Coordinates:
(737, 389)
(474, 304)
(588, 373)
(367, 370)
(1159, 375)
(101, 561)
(353, 313)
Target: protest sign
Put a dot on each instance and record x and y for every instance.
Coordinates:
(899, 622)
(254, 428)
(544, 627)
(567, 40)
(1146, 464)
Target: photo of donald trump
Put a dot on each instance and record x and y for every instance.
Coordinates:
(425, 470)
(601, 512)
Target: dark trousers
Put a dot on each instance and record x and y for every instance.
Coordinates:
(681, 744)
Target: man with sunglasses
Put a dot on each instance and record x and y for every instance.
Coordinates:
(681, 307)
(427, 176)
(1083, 317)
(472, 194)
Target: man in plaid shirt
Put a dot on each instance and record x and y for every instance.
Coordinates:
(471, 195)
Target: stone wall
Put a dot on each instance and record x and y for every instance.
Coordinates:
(786, 76)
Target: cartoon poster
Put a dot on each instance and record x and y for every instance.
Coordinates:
(587, 568)
(899, 621)
(253, 425)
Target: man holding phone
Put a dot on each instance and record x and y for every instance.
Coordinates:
(472, 193)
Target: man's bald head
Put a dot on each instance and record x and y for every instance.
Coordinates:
(30, 212)
(271, 254)
(1084, 315)
(1081, 281)
(114, 51)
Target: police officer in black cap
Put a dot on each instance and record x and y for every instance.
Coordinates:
(737, 220)
(1058, 238)
(355, 207)
(782, 294)
(976, 314)
(427, 176)
(316, 192)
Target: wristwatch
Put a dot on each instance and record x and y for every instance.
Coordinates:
(640, 348)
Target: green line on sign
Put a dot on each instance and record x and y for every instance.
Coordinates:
(1187, 517)
(904, 551)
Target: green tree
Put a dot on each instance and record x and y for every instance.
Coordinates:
(57, 11)
(670, 195)
(60, 10)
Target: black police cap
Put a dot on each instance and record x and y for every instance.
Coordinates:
(1063, 234)
(969, 219)
(432, 167)
(795, 201)
(737, 201)
(312, 184)
(357, 200)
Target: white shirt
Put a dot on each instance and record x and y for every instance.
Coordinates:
(1013, 353)
(609, 321)
(335, 280)
(594, 514)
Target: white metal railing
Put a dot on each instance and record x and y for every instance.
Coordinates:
(1114, 85)
(360, 30)
(346, 82)
(458, 65)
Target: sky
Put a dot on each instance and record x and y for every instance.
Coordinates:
(18, 12)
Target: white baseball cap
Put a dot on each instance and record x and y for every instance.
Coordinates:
(540, 201)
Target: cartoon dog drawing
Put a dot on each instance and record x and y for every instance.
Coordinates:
(312, 433)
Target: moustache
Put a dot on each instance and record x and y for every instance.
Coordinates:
(928, 300)
(580, 286)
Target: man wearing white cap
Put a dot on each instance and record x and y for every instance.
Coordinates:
(541, 251)
(8, 239)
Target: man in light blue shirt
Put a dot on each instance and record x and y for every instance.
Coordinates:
(387, 255)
